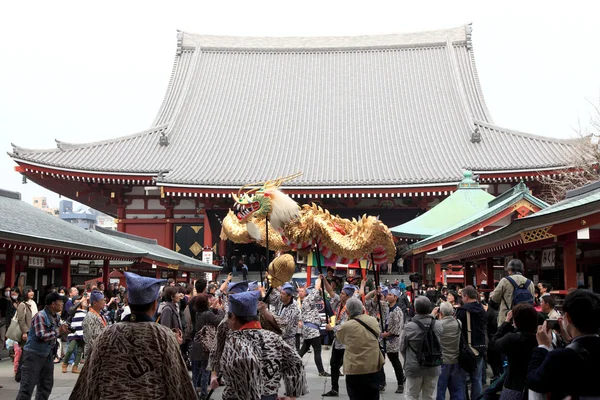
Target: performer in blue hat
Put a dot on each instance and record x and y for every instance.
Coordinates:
(338, 305)
(261, 357)
(148, 355)
(269, 322)
(393, 317)
(310, 320)
(283, 302)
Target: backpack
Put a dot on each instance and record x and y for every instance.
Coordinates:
(521, 293)
(429, 353)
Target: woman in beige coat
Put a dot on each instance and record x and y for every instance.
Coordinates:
(25, 312)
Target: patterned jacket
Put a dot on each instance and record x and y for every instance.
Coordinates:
(254, 362)
(394, 323)
(340, 316)
(309, 312)
(290, 313)
(214, 359)
(144, 363)
(92, 328)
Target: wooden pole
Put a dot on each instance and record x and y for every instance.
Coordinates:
(376, 273)
(266, 250)
(318, 254)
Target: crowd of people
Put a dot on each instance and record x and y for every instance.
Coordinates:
(439, 341)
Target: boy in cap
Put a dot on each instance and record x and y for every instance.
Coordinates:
(283, 302)
(150, 362)
(255, 360)
(338, 305)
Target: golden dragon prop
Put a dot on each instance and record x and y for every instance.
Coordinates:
(292, 227)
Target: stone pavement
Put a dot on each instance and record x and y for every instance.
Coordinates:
(63, 383)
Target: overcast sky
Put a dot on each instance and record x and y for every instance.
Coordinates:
(79, 73)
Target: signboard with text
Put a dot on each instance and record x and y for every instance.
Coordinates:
(548, 258)
(36, 262)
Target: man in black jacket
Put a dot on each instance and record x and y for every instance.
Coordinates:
(572, 371)
(472, 313)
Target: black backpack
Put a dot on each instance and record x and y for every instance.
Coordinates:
(521, 293)
(430, 352)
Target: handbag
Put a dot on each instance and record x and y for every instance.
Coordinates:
(14, 330)
(467, 356)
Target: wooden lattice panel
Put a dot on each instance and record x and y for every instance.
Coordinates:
(535, 235)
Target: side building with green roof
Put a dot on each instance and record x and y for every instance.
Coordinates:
(470, 211)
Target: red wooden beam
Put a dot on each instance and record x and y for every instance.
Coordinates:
(575, 224)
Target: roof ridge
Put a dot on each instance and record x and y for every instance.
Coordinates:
(124, 235)
(66, 146)
(518, 188)
(523, 134)
(186, 40)
(10, 194)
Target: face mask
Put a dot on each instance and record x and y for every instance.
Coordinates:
(7, 294)
(14, 297)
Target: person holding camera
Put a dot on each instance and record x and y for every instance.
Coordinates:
(570, 371)
(515, 339)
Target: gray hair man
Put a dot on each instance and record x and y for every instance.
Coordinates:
(503, 293)
(363, 360)
(420, 380)
(452, 376)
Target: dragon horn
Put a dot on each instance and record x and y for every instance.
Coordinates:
(237, 200)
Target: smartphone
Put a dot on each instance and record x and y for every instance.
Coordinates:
(552, 324)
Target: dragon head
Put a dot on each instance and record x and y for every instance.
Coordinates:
(252, 204)
(256, 200)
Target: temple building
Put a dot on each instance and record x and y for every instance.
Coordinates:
(558, 244)
(468, 212)
(382, 125)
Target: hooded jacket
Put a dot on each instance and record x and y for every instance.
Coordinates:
(478, 324)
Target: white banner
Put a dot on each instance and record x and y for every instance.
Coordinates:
(207, 257)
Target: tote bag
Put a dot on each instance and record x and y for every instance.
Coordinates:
(14, 330)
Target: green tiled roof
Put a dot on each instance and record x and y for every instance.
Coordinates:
(468, 200)
(495, 206)
(578, 202)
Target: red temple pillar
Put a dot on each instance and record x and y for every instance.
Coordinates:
(308, 275)
(207, 232)
(105, 268)
(66, 272)
(222, 248)
(468, 274)
(439, 275)
(570, 260)
(169, 228)
(489, 271)
(10, 275)
(121, 215)
(158, 273)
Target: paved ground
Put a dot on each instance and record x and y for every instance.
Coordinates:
(63, 383)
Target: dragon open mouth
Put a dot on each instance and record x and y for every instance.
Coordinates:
(245, 210)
